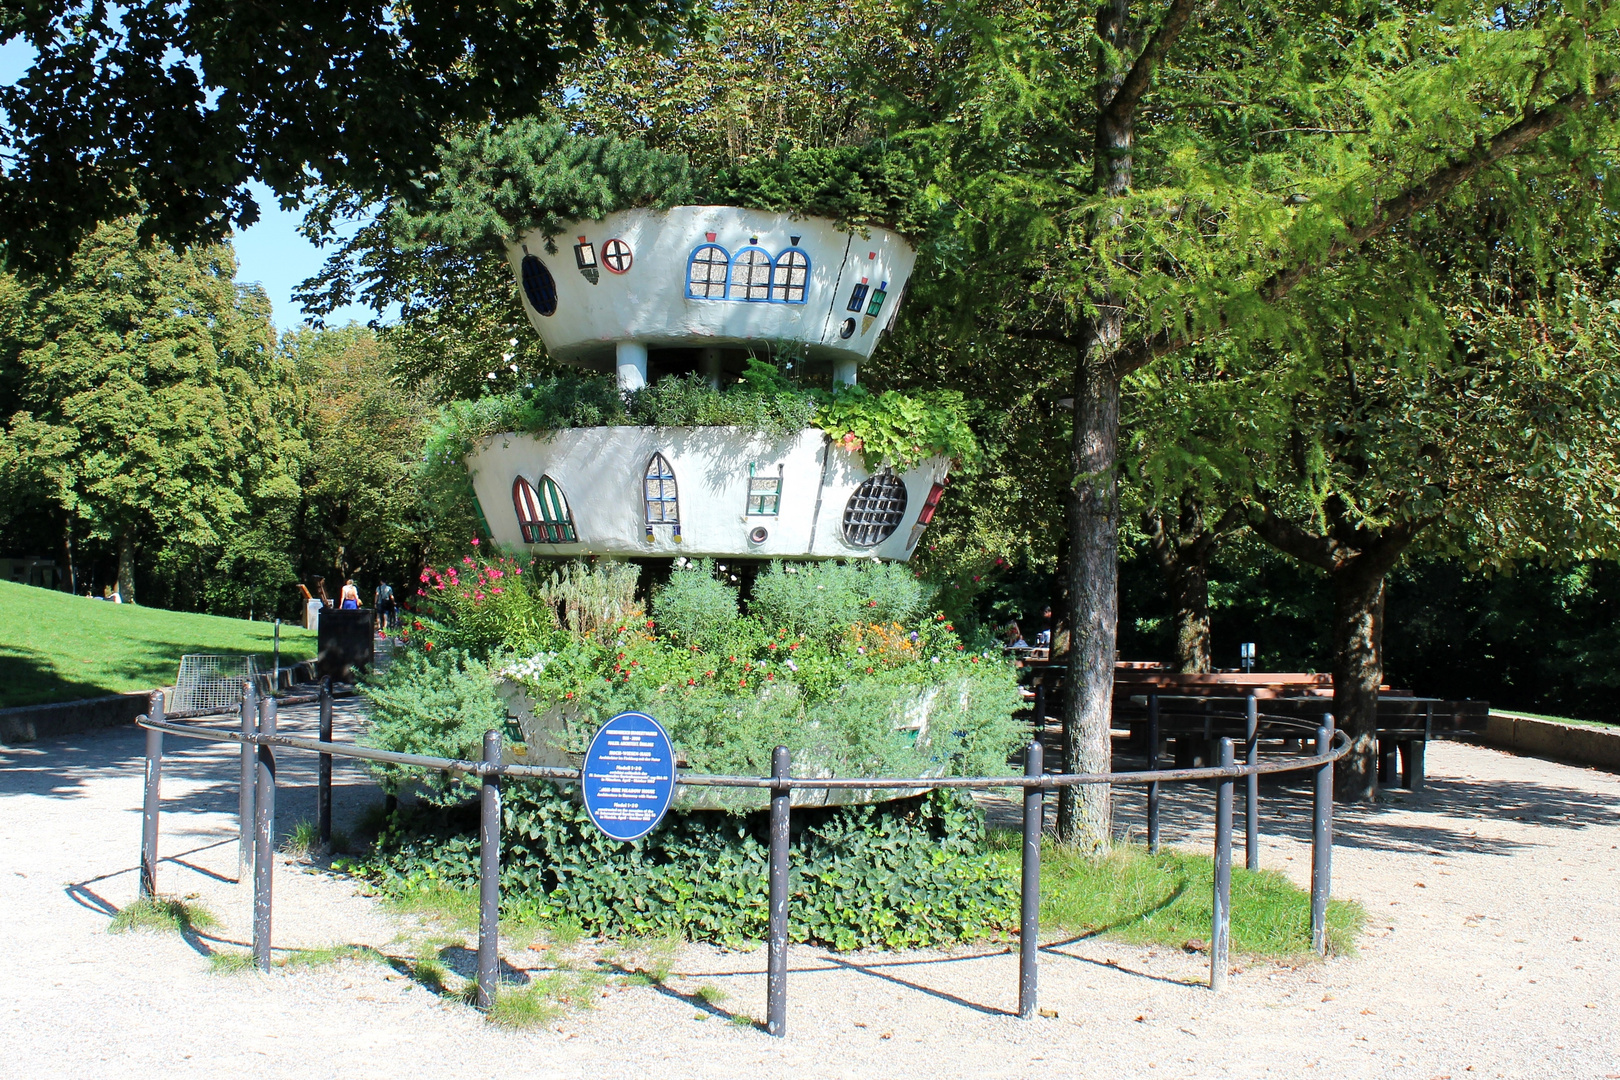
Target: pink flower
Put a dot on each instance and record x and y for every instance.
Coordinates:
(478, 596)
(475, 541)
(497, 592)
(424, 575)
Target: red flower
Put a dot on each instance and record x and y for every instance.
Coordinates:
(948, 626)
(742, 682)
(772, 645)
(793, 645)
(649, 624)
(570, 694)
(691, 682)
(416, 624)
(871, 603)
(708, 674)
(869, 671)
(428, 645)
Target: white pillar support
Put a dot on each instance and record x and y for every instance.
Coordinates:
(844, 373)
(709, 365)
(632, 360)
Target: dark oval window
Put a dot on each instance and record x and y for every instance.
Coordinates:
(875, 510)
(539, 286)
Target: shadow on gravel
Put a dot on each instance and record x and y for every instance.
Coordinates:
(1441, 819)
(697, 1001)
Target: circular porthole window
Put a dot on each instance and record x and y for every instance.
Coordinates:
(847, 331)
(875, 510)
(539, 286)
(757, 535)
(617, 256)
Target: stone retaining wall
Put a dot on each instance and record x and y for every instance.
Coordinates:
(1575, 743)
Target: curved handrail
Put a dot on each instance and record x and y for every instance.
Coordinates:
(1046, 782)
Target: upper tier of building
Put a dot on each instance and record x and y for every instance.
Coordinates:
(710, 278)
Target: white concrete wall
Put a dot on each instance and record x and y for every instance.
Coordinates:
(600, 472)
(648, 303)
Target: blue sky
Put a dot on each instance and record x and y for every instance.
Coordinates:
(270, 252)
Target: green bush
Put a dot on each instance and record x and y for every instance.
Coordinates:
(695, 608)
(823, 600)
(432, 701)
(481, 604)
(891, 427)
(903, 874)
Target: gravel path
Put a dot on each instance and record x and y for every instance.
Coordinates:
(1490, 952)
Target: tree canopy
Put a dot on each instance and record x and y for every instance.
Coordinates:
(168, 110)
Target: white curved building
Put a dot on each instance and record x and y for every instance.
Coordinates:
(651, 293)
(698, 491)
(699, 287)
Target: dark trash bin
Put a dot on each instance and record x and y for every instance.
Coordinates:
(346, 642)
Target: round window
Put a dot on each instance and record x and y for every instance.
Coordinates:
(875, 510)
(539, 286)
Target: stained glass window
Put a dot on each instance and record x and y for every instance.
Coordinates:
(876, 305)
(790, 277)
(539, 286)
(706, 273)
(751, 275)
(875, 510)
(543, 514)
(663, 506)
(857, 297)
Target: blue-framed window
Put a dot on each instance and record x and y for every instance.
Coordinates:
(857, 297)
(790, 277)
(661, 499)
(706, 272)
(750, 275)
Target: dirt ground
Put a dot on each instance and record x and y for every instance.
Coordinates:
(1494, 899)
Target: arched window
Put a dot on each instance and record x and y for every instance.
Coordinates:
(751, 275)
(706, 273)
(663, 506)
(875, 510)
(543, 515)
(790, 277)
(538, 286)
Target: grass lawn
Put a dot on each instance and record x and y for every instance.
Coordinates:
(1165, 899)
(59, 647)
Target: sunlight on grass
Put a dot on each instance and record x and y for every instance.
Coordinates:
(162, 913)
(230, 963)
(545, 998)
(1167, 899)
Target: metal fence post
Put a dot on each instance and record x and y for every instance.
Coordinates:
(1038, 709)
(323, 772)
(776, 980)
(1029, 922)
(489, 874)
(264, 836)
(1220, 933)
(1322, 840)
(244, 796)
(1153, 765)
(1251, 799)
(154, 784)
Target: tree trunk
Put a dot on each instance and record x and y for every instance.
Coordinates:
(68, 571)
(1085, 814)
(1189, 583)
(1358, 669)
(126, 566)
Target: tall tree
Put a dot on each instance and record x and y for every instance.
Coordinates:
(138, 394)
(168, 110)
(1155, 177)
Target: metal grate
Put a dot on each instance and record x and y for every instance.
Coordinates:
(875, 510)
(211, 682)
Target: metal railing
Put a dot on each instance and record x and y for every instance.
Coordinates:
(258, 739)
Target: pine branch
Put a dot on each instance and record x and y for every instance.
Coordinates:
(1415, 199)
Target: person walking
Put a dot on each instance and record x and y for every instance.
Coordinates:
(383, 604)
(349, 598)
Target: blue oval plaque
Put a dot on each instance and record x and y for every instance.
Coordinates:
(629, 776)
